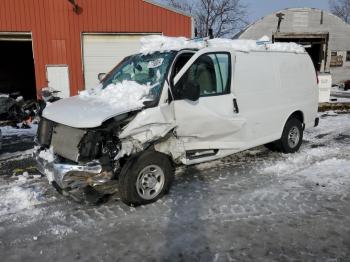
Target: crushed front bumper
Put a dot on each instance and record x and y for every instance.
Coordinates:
(71, 176)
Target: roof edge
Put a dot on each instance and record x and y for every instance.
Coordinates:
(173, 9)
(244, 30)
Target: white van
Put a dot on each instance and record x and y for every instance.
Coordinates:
(158, 109)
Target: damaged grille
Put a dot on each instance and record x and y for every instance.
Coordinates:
(44, 133)
(66, 140)
(80, 145)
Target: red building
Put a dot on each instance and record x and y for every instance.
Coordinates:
(66, 43)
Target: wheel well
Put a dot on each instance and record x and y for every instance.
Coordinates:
(298, 115)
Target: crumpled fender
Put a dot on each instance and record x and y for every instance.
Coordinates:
(150, 126)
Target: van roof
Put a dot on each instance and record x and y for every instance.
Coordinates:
(150, 44)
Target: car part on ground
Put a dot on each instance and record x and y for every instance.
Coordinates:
(15, 110)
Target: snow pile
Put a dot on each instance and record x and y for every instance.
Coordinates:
(128, 94)
(332, 174)
(291, 163)
(151, 44)
(252, 45)
(324, 162)
(47, 155)
(265, 38)
(17, 199)
(24, 177)
(285, 47)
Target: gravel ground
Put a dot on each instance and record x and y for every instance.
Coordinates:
(256, 205)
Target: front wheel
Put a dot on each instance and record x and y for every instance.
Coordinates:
(145, 178)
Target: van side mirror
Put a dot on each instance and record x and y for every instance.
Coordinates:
(100, 76)
(191, 91)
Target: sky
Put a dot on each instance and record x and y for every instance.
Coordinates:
(260, 8)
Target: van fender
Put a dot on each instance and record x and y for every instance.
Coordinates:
(299, 115)
(149, 127)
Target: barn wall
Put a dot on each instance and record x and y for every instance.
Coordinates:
(56, 29)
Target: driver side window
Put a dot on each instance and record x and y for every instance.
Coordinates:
(211, 72)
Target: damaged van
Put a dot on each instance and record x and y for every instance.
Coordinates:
(173, 104)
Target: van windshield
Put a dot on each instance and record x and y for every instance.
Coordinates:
(148, 70)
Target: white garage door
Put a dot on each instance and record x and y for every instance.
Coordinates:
(103, 52)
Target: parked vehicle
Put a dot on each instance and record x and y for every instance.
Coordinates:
(194, 106)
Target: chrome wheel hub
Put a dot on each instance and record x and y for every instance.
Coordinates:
(150, 182)
(293, 137)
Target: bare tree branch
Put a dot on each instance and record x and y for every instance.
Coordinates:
(225, 17)
(341, 8)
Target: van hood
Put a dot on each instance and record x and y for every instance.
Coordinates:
(79, 112)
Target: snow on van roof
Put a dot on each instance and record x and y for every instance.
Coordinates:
(153, 43)
(150, 44)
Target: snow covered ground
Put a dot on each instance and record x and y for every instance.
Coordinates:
(340, 92)
(17, 142)
(256, 205)
(335, 99)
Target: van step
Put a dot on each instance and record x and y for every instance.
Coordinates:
(196, 154)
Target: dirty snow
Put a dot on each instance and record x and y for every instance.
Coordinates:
(340, 92)
(252, 206)
(18, 155)
(339, 99)
(47, 155)
(12, 131)
(151, 44)
(18, 198)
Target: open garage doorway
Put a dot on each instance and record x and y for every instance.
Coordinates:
(316, 45)
(17, 72)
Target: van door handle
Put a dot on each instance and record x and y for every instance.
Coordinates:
(235, 106)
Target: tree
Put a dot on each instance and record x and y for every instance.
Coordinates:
(225, 17)
(341, 8)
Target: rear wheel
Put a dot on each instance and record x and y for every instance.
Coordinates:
(145, 178)
(291, 139)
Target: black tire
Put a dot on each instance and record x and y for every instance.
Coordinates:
(131, 173)
(273, 146)
(285, 145)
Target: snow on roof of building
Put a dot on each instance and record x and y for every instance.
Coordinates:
(154, 43)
